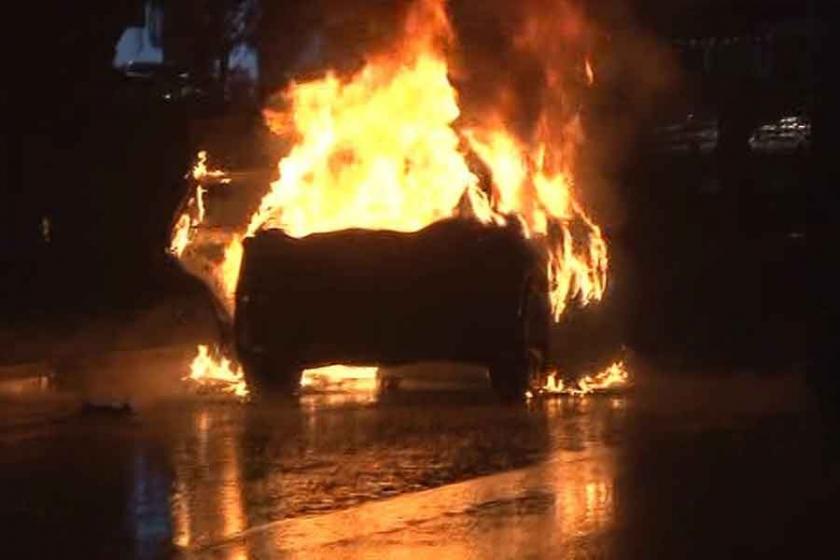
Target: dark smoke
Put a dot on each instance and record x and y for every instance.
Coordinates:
(520, 62)
(528, 58)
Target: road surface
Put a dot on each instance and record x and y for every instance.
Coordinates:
(681, 466)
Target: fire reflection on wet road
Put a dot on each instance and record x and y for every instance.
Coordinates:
(443, 474)
(349, 458)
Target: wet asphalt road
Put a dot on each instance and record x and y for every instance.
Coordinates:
(681, 466)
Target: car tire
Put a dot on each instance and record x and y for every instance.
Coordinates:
(267, 377)
(509, 378)
(513, 373)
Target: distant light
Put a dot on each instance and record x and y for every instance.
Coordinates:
(46, 229)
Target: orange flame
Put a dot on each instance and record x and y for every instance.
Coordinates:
(211, 369)
(361, 378)
(180, 237)
(590, 73)
(384, 149)
(183, 231)
(615, 376)
(200, 171)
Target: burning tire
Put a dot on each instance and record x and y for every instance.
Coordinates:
(454, 291)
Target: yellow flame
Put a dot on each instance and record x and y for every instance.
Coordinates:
(200, 171)
(378, 152)
(383, 148)
(193, 216)
(212, 369)
(544, 202)
(180, 237)
(199, 202)
(614, 376)
(361, 378)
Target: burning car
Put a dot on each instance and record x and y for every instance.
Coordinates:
(396, 229)
(457, 290)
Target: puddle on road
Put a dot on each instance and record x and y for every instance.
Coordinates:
(237, 468)
(568, 500)
(206, 471)
(444, 473)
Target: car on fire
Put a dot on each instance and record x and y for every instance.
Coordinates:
(456, 291)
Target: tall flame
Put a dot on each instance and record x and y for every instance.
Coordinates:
(384, 148)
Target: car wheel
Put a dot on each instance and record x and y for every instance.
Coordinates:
(267, 377)
(510, 378)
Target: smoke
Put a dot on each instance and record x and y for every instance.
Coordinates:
(636, 77)
(523, 63)
(519, 59)
(351, 31)
(526, 60)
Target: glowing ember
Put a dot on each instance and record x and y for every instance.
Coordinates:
(180, 235)
(613, 377)
(213, 370)
(384, 148)
(360, 378)
(200, 171)
(590, 72)
(182, 232)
